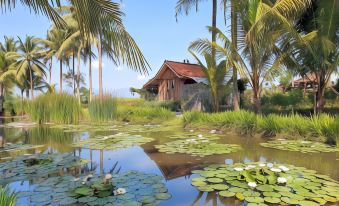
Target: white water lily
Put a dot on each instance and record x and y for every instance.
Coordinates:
(252, 184)
(108, 176)
(283, 168)
(269, 165)
(120, 191)
(262, 165)
(275, 170)
(238, 169)
(200, 135)
(191, 130)
(281, 180)
(213, 131)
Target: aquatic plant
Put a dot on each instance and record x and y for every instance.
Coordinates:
(7, 197)
(199, 146)
(130, 188)
(300, 146)
(17, 147)
(56, 108)
(113, 142)
(37, 165)
(259, 183)
(103, 109)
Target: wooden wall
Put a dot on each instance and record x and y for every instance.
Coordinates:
(170, 87)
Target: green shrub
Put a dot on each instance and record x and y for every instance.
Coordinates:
(56, 108)
(7, 197)
(104, 109)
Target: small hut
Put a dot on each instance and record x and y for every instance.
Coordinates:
(172, 77)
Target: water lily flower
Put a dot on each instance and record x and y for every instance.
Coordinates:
(283, 168)
(213, 131)
(120, 191)
(262, 165)
(269, 165)
(275, 170)
(282, 180)
(252, 184)
(191, 130)
(200, 135)
(108, 176)
(238, 169)
(76, 179)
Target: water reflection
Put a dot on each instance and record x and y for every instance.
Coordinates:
(175, 168)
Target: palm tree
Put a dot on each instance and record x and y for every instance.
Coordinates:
(55, 39)
(5, 66)
(258, 58)
(321, 58)
(27, 61)
(215, 74)
(186, 5)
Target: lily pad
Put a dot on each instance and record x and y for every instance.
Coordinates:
(300, 146)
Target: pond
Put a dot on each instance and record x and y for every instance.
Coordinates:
(122, 156)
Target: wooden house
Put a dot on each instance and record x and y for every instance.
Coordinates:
(171, 78)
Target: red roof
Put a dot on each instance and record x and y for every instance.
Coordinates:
(186, 69)
(180, 69)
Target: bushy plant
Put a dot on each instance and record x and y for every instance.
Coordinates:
(144, 114)
(56, 108)
(7, 197)
(104, 109)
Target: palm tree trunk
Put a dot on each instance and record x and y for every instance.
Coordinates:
(234, 31)
(101, 93)
(78, 76)
(214, 24)
(73, 73)
(90, 75)
(2, 99)
(50, 70)
(60, 77)
(31, 80)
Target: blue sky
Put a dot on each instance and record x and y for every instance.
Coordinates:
(153, 25)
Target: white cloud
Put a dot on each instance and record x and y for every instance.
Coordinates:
(141, 77)
(95, 64)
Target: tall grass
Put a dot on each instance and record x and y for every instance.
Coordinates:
(56, 108)
(103, 110)
(323, 127)
(7, 197)
(144, 114)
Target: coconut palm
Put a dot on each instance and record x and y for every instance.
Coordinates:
(28, 61)
(6, 83)
(186, 5)
(55, 39)
(321, 58)
(258, 57)
(215, 73)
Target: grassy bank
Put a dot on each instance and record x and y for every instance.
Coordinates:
(323, 128)
(7, 197)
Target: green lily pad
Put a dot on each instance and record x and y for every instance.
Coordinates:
(226, 194)
(300, 146)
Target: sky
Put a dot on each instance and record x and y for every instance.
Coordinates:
(151, 23)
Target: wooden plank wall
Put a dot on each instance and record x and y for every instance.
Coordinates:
(170, 87)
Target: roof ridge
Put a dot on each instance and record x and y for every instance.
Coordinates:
(181, 62)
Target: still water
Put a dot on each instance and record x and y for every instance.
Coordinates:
(175, 168)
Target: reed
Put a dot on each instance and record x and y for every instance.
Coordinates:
(7, 197)
(56, 108)
(103, 110)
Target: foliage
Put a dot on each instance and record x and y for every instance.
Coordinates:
(299, 145)
(7, 197)
(199, 146)
(56, 108)
(113, 142)
(103, 109)
(323, 127)
(266, 182)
